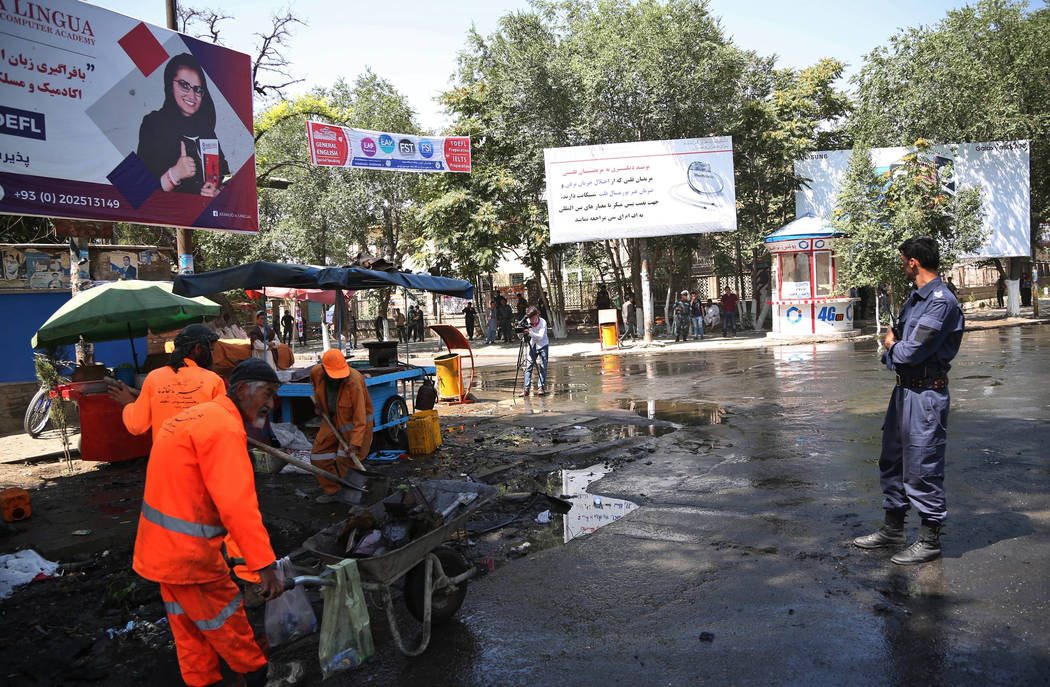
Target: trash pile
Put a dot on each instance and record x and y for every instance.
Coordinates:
(408, 512)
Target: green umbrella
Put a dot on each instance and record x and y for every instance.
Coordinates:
(121, 309)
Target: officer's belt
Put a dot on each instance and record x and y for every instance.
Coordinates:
(922, 382)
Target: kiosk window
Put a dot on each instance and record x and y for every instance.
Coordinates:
(824, 273)
(795, 282)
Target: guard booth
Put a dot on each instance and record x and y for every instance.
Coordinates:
(804, 281)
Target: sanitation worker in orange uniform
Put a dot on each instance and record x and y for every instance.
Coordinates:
(200, 486)
(341, 394)
(183, 383)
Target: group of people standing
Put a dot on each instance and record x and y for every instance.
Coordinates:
(692, 316)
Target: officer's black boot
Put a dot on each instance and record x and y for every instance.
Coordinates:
(926, 548)
(890, 534)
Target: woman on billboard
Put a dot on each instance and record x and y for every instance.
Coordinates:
(177, 142)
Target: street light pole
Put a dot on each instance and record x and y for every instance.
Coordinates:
(647, 292)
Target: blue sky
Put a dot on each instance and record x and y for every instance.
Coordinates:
(413, 43)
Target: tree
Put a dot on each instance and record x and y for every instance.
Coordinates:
(980, 74)
(577, 73)
(877, 212)
(787, 114)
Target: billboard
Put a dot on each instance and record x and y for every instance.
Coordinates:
(104, 117)
(1000, 168)
(340, 146)
(651, 188)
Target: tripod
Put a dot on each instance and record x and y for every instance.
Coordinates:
(521, 353)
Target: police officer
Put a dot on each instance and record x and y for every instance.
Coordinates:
(919, 350)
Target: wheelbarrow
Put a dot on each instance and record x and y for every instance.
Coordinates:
(435, 576)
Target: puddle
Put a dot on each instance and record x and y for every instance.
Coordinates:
(679, 412)
(612, 432)
(588, 512)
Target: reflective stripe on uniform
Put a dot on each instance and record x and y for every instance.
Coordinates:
(347, 427)
(314, 457)
(173, 608)
(173, 524)
(224, 615)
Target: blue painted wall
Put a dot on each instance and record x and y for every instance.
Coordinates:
(22, 314)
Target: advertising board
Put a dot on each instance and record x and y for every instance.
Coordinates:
(341, 146)
(104, 117)
(1001, 169)
(632, 190)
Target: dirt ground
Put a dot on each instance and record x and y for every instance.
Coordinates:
(99, 623)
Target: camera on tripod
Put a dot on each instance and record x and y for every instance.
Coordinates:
(521, 326)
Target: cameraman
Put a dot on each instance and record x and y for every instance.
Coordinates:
(536, 332)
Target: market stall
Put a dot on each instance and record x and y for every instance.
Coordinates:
(391, 384)
(111, 311)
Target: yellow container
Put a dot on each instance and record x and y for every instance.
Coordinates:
(609, 339)
(449, 376)
(424, 432)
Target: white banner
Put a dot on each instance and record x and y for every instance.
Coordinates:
(340, 146)
(1001, 169)
(651, 188)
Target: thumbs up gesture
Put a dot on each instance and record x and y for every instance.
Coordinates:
(184, 167)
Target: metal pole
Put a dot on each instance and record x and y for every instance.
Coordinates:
(647, 293)
(408, 325)
(183, 237)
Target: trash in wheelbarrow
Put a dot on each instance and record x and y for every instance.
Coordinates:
(408, 513)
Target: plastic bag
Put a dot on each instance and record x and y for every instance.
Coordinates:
(290, 615)
(346, 631)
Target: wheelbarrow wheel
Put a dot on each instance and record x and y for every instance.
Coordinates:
(443, 602)
(395, 408)
(38, 413)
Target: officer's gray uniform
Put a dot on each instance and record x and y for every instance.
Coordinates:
(913, 436)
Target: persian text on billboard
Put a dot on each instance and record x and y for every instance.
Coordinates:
(104, 117)
(652, 188)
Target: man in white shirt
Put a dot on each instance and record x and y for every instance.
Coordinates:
(712, 316)
(537, 353)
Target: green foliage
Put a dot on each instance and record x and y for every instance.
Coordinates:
(980, 74)
(878, 212)
(327, 215)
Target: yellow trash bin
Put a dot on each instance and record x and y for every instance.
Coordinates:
(609, 339)
(449, 376)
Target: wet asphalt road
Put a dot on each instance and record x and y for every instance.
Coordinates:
(737, 568)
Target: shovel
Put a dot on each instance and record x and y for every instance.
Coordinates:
(343, 442)
(352, 497)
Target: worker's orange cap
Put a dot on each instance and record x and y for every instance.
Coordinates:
(335, 364)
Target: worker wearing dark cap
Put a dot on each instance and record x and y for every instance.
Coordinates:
(184, 382)
(200, 487)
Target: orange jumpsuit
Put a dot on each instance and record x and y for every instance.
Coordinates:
(167, 392)
(352, 416)
(199, 486)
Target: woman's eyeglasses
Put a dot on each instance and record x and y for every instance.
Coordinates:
(186, 87)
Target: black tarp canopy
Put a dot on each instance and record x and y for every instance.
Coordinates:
(257, 275)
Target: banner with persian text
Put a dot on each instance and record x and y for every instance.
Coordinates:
(632, 190)
(341, 146)
(105, 117)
